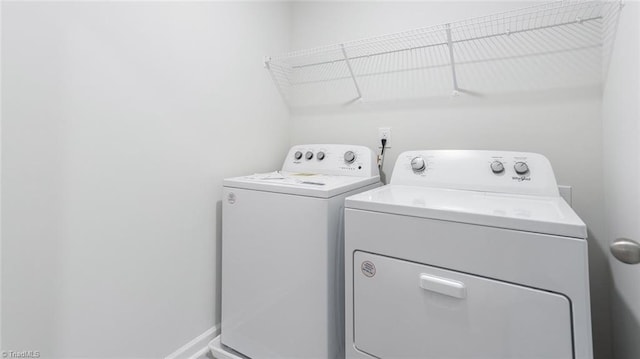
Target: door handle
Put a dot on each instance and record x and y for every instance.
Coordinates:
(444, 286)
(626, 250)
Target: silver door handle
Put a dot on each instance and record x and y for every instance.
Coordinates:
(626, 251)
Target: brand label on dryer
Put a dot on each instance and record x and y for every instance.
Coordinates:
(368, 269)
(231, 198)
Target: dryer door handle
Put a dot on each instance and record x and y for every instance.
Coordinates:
(449, 287)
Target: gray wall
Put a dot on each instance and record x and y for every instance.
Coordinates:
(119, 122)
(621, 133)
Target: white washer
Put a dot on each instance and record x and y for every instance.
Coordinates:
(466, 254)
(282, 250)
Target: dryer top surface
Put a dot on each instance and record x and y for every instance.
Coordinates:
(540, 214)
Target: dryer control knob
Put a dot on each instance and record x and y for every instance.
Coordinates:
(320, 156)
(349, 157)
(297, 155)
(308, 155)
(521, 168)
(497, 167)
(417, 164)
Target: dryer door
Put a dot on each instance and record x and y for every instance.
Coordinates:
(411, 310)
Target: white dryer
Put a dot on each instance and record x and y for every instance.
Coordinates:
(282, 251)
(466, 254)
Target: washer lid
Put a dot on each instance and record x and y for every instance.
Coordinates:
(301, 184)
(548, 215)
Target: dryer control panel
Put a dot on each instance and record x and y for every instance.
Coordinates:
(331, 159)
(487, 171)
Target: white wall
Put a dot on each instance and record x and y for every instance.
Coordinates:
(1, 179)
(564, 125)
(119, 122)
(621, 142)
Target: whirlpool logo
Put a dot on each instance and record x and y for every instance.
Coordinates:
(521, 178)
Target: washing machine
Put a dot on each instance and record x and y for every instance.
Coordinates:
(466, 254)
(282, 254)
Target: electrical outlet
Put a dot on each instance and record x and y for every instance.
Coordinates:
(385, 133)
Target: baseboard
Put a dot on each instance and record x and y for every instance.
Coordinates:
(198, 347)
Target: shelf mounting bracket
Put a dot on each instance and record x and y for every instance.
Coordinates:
(456, 89)
(353, 76)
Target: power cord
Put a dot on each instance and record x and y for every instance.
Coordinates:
(381, 156)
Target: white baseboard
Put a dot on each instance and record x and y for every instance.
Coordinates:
(198, 347)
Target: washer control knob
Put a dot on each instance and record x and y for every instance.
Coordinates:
(349, 157)
(308, 155)
(297, 155)
(521, 168)
(497, 167)
(320, 156)
(418, 165)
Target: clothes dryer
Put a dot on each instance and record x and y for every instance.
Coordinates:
(466, 254)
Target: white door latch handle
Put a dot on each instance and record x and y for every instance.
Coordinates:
(444, 286)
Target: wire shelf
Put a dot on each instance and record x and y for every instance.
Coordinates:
(538, 47)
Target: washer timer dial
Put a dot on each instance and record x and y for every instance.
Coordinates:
(349, 157)
(418, 164)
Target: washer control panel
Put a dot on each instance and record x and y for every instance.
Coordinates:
(331, 159)
(490, 171)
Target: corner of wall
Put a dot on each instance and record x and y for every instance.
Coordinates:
(198, 347)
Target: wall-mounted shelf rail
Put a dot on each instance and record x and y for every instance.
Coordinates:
(537, 47)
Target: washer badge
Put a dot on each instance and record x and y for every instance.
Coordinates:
(368, 269)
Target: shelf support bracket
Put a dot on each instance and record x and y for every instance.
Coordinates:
(452, 60)
(353, 76)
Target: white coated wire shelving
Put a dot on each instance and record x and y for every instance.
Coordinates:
(544, 46)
